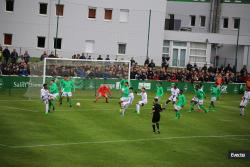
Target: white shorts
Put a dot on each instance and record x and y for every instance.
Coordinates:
(172, 98)
(142, 102)
(54, 96)
(243, 103)
(178, 108)
(195, 99)
(124, 99)
(125, 104)
(67, 94)
(200, 102)
(213, 99)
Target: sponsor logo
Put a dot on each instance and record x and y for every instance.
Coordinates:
(26, 85)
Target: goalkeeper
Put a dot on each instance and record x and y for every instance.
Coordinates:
(67, 85)
(103, 91)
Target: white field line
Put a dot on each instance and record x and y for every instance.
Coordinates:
(238, 139)
(226, 120)
(125, 141)
(58, 109)
(21, 109)
(40, 100)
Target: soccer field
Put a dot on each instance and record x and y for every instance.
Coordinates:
(96, 135)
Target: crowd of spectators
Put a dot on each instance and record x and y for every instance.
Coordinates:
(11, 63)
(189, 74)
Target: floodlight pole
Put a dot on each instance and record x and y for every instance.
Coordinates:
(149, 25)
(237, 46)
(57, 22)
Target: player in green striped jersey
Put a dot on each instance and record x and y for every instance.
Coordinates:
(53, 89)
(67, 86)
(159, 91)
(181, 102)
(215, 93)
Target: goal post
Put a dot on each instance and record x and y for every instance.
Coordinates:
(84, 69)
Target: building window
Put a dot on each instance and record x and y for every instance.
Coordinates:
(7, 39)
(198, 52)
(59, 9)
(203, 21)
(89, 46)
(124, 14)
(9, 5)
(165, 49)
(43, 8)
(122, 48)
(171, 23)
(108, 14)
(92, 13)
(236, 23)
(57, 43)
(41, 42)
(192, 19)
(225, 22)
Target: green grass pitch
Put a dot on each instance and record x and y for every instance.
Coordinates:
(96, 135)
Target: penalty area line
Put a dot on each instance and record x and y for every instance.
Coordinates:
(125, 141)
(21, 109)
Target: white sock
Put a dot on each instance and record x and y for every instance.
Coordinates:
(138, 108)
(46, 107)
(242, 111)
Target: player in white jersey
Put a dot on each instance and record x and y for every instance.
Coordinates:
(144, 100)
(46, 97)
(244, 101)
(126, 104)
(174, 94)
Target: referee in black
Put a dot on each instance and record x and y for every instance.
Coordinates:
(156, 116)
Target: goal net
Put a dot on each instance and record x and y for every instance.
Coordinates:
(87, 75)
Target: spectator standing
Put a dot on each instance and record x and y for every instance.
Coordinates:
(89, 58)
(228, 68)
(204, 68)
(51, 55)
(6, 55)
(14, 56)
(43, 56)
(99, 57)
(243, 71)
(107, 57)
(189, 66)
(82, 56)
(132, 61)
(26, 56)
(146, 63)
(151, 64)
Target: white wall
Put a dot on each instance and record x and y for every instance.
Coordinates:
(26, 24)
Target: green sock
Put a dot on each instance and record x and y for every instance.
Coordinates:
(50, 105)
(53, 104)
(178, 115)
(69, 101)
(191, 107)
(203, 108)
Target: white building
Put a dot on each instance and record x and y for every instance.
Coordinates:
(205, 31)
(106, 27)
(196, 31)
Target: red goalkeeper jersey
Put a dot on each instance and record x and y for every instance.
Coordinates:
(103, 90)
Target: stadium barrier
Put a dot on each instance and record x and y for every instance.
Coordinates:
(18, 82)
